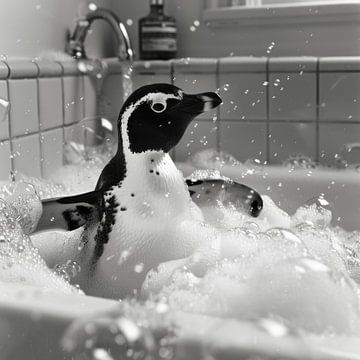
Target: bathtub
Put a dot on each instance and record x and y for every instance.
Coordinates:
(32, 322)
(291, 188)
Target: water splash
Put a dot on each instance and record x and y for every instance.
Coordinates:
(4, 109)
(317, 210)
(68, 271)
(300, 161)
(127, 70)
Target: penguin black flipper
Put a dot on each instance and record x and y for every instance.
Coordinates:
(68, 213)
(71, 212)
(205, 191)
(112, 175)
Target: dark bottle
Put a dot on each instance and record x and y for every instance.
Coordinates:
(157, 34)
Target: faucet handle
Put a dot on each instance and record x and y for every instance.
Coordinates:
(75, 44)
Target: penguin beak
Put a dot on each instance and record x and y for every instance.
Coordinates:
(199, 103)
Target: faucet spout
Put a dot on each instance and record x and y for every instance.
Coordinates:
(75, 46)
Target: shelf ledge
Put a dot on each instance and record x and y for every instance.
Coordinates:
(300, 13)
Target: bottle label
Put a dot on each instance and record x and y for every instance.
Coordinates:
(158, 38)
(159, 44)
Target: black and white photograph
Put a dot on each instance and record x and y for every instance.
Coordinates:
(180, 180)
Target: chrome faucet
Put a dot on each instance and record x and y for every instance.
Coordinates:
(75, 46)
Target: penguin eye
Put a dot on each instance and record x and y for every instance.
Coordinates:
(158, 107)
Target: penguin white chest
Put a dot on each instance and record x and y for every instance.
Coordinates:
(150, 206)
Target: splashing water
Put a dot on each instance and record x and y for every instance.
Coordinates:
(4, 109)
(212, 159)
(127, 70)
(299, 161)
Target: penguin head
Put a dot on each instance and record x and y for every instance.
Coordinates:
(155, 117)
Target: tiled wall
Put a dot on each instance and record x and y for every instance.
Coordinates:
(273, 107)
(50, 103)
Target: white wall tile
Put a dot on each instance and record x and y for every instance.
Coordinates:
(288, 139)
(200, 135)
(194, 83)
(50, 103)
(244, 140)
(340, 97)
(112, 97)
(24, 107)
(26, 152)
(292, 96)
(91, 110)
(243, 95)
(333, 137)
(52, 151)
(73, 99)
(4, 112)
(5, 161)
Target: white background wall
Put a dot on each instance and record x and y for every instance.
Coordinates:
(30, 27)
(327, 39)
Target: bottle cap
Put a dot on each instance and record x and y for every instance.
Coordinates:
(156, 2)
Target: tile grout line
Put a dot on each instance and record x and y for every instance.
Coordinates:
(63, 113)
(267, 145)
(217, 124)
(317, 126)
(11, 144)
(39, 122)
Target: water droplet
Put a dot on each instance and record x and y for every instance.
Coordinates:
(124, 256)
(129, 329)
(92, 7)
(101, 354)
(139, 268)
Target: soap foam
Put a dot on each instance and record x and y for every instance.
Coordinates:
(296, 269)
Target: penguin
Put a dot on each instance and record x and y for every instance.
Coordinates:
(141, 211)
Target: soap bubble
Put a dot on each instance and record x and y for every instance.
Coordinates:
(20, 260)
(24, 198)
(213, 159)
(69, 270)
(318, 210)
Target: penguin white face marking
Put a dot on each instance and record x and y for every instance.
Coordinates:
(158, 107)
(158, 102)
